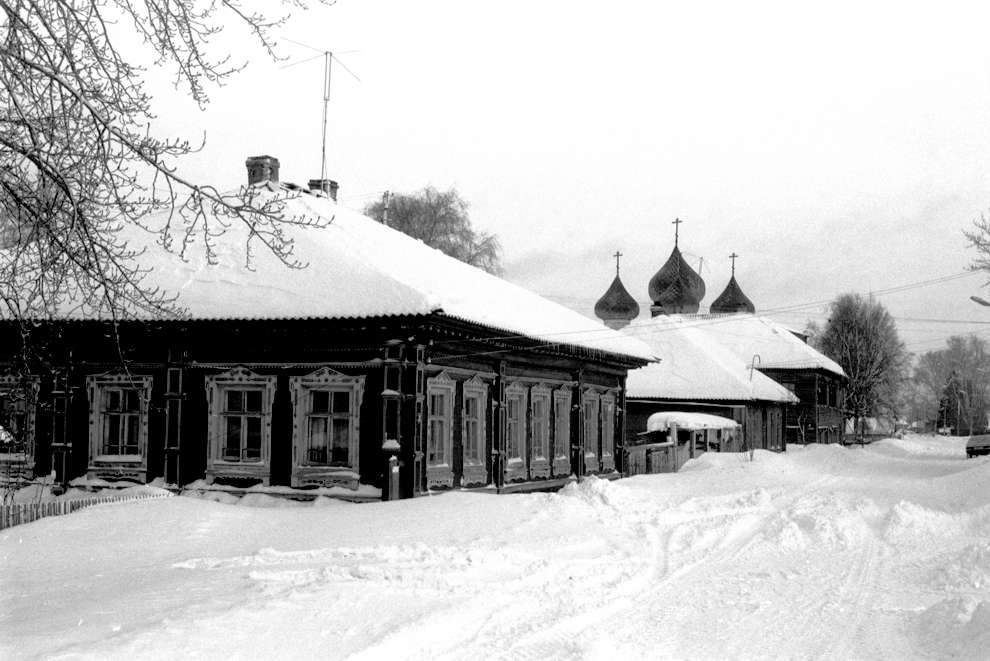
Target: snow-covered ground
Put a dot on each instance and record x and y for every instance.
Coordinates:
(822, 552)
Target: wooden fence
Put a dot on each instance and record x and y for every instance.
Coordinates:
(18, 513)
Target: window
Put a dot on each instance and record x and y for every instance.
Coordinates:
(540, 416)
(240, 424)
(440, 397)
(562, 431)
(436, 445)
(118, 416)
(326, 427)
(473, 437)
(242, 416)
(590, 411)
(608, 429)
(122, 419)
(13, 423)
(17, 401)
(328, 436)
(515, 422)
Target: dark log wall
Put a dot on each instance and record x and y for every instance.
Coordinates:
(819, 417)
(401, 346)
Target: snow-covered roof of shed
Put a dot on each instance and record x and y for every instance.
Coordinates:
(694, 367)
(690, 420)
(357, 267)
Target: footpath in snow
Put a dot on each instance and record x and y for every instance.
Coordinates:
(822, 552)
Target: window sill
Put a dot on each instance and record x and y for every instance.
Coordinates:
(119, 459)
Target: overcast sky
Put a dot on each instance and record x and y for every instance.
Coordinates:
(840, 147)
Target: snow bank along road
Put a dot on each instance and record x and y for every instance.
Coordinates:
(822, 552)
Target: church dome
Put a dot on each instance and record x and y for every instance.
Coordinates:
(732, 299)
(616, 307)
(676, 288)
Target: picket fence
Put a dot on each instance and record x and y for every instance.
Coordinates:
(18, 513)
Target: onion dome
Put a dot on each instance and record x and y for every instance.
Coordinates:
(676, 288)
(732, 299)
(616, 307)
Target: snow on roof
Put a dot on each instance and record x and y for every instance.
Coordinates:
(696, 368)
(773, 345)
(687, 420)
(357, 267)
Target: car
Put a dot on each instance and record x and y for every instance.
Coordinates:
(979, 444)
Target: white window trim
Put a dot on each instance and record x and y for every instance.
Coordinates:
(216, 386)
(540, 393)
(440, 473)
(562, 446)
(325, 380)
(441, 385)
(28, 387)
(607, 433)
(117, 465)
(475, 389)
(515, 449)
(590, 401)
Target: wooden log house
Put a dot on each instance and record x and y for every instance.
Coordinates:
(380, 350)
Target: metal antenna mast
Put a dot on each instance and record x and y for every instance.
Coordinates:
(328, 58)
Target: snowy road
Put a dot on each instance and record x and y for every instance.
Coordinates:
(819, 553)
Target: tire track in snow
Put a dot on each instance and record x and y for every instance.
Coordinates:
(666, 589)
(852, 597)
(824, 610)
(600, 614)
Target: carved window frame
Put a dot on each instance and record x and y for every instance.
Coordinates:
(541, 449)
(440, 389)
(562, 398)
(474, 389)
(607, 413)
(515, 423)
(217, 386)
(25, 389)
(100, 388)
(326, 380)
(591, 424)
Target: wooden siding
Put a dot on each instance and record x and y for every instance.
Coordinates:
(394, 355)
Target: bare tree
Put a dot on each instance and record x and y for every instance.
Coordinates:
(931, 373)
(959, 378)
(979, 238)
(79, 168)
(440, 219)
(861, 336)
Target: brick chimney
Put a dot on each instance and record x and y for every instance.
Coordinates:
(328, 186)
(262, 168)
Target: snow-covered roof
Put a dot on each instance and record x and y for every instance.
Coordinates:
(695, 367)
(663, 420)
(357, 267)
(753, 338)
